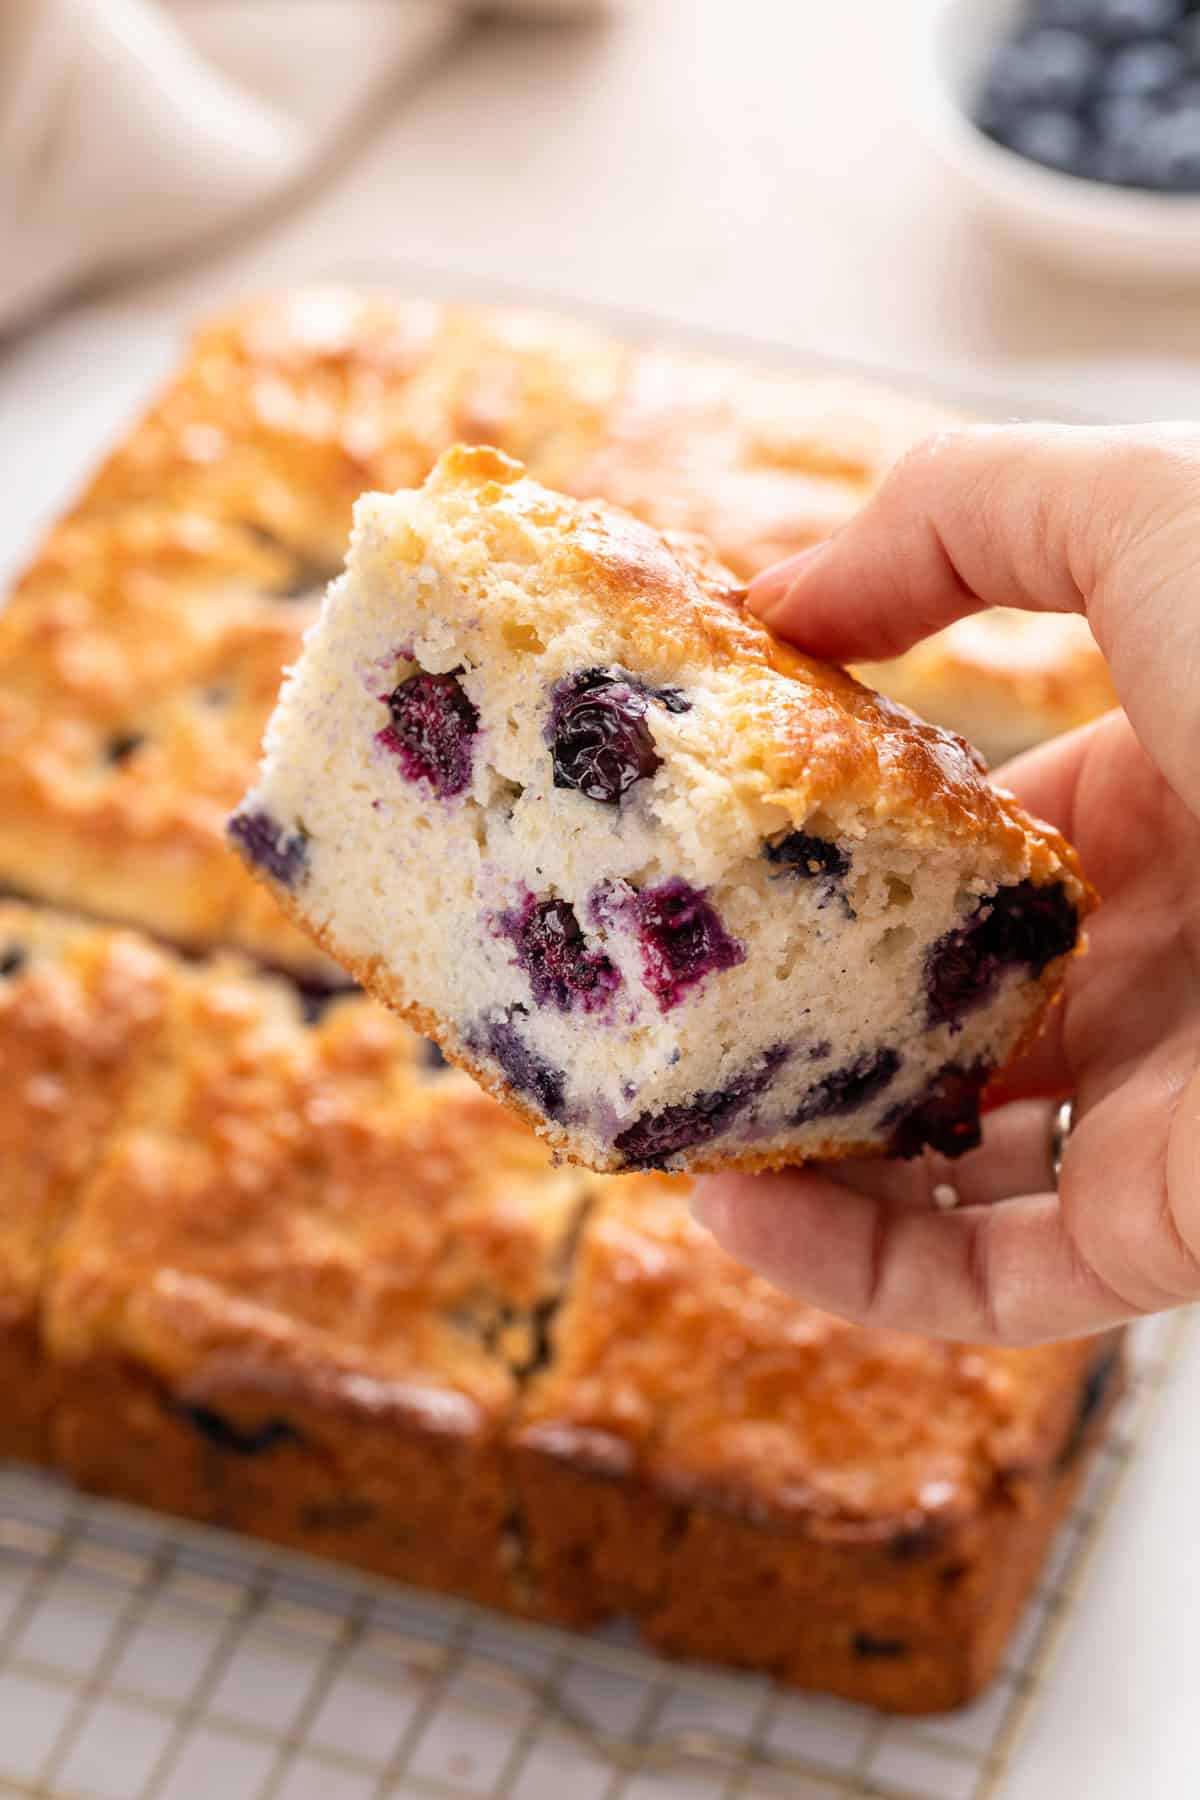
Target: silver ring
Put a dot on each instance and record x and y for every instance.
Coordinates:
(1060, 1130)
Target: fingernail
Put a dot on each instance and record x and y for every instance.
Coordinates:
(769, 592)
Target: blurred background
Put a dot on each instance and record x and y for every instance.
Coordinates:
(799, 174)
(774, 168)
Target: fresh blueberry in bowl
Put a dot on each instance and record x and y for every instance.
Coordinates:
(1118, 20)
(1145, 70)
(1056, 69)
(1170, 159)
(1104, 90)
(1110, 21)
(1053, 138)
(1119, 128)
(1070, 15)
(1086, 155)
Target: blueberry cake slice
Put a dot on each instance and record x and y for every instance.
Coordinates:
(683, 896)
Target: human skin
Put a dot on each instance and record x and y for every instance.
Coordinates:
(1048, 519)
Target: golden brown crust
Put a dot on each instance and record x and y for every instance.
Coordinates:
(139, 660)
(173, 1131)
(382, 1493)
(286, 410)
(914, 1623)
(1007, 680)
(81, 1015)
(290, 407)
(675, 1364)
(312, 1192)
(806, 733)
(852, 1510)
(254, 1234)
(762, 463)
(164, 610)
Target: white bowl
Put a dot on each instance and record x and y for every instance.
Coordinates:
(1101, 230)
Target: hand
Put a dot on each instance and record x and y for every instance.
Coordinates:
(1050, 520)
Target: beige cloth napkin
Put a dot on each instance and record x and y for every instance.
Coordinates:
(132, 129)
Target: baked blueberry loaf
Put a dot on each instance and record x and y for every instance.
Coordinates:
(264, 1262)
(80, 1015)
(264, 1265)
(298, 1295)
(683, 896)
(139, 660)
(755, 1481)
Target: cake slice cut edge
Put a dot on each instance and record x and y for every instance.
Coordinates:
(684, 897)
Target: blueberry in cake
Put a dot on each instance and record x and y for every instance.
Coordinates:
(683, 896)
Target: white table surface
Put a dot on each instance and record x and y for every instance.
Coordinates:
(744, 165)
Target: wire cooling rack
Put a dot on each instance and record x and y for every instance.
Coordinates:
(142, 1659)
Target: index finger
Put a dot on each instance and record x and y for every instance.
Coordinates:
(1025, 516)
